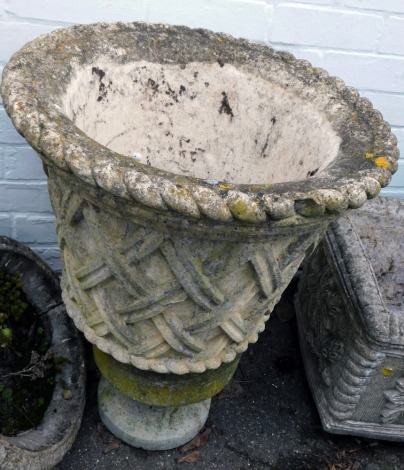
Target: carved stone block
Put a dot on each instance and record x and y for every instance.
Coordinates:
(350, 310)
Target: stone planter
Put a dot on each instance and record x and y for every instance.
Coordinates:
(350, 309)
(190, 174)
(43, 447)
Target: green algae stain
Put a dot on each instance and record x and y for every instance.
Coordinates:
(240, 209)
(164, 389)
(216, 254)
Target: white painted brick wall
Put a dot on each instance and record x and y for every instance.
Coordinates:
(388, 6)
(310, 25)
(35, 229)
(361, 41)
(391, 41)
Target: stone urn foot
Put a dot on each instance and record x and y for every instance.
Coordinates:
(156, 411)
(148, 426)
(190, 174)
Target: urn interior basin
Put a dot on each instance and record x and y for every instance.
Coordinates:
(190, 173)
(181, 119)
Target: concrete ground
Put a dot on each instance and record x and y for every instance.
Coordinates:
(265, 419)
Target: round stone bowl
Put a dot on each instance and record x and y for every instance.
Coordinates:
(190, 174)
(44, 446)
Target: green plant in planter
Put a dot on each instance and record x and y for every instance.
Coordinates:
(11, 296)
(39, 419)
(27, 368)
(11, 305)
(6, 335)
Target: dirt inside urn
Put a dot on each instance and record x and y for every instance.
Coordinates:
(210, 121)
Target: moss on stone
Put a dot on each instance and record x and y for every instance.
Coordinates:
(240, 209)
(164, 389)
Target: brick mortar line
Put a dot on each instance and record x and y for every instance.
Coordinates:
(16, 183)
(309, 48)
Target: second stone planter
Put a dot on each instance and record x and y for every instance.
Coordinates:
(190, 174)
(350, 316)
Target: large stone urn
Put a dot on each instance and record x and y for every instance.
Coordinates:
(190, 174)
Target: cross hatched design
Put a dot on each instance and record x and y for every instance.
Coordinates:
(164, 302)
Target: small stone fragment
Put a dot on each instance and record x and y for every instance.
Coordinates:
(115, 444)
(67, 394)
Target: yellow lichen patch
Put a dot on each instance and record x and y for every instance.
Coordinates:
(225, 186)
(245, 209)
(382, 162)
(354, 117)
(219, 40)
(240, 209)
(387, 371)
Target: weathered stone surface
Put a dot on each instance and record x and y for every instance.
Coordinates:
(164, 300)
(350, 310)
(190, 174)
(146, 426)
(185, 169)
(43, 447)
(153, 388)
(200, 105)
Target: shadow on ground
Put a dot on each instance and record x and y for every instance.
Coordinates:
(265, 419)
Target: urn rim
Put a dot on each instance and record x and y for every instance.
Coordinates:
(359, 171)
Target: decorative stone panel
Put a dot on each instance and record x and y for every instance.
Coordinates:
(163, 300)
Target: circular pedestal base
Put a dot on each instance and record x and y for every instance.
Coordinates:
(146, 426)
(153, 388)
